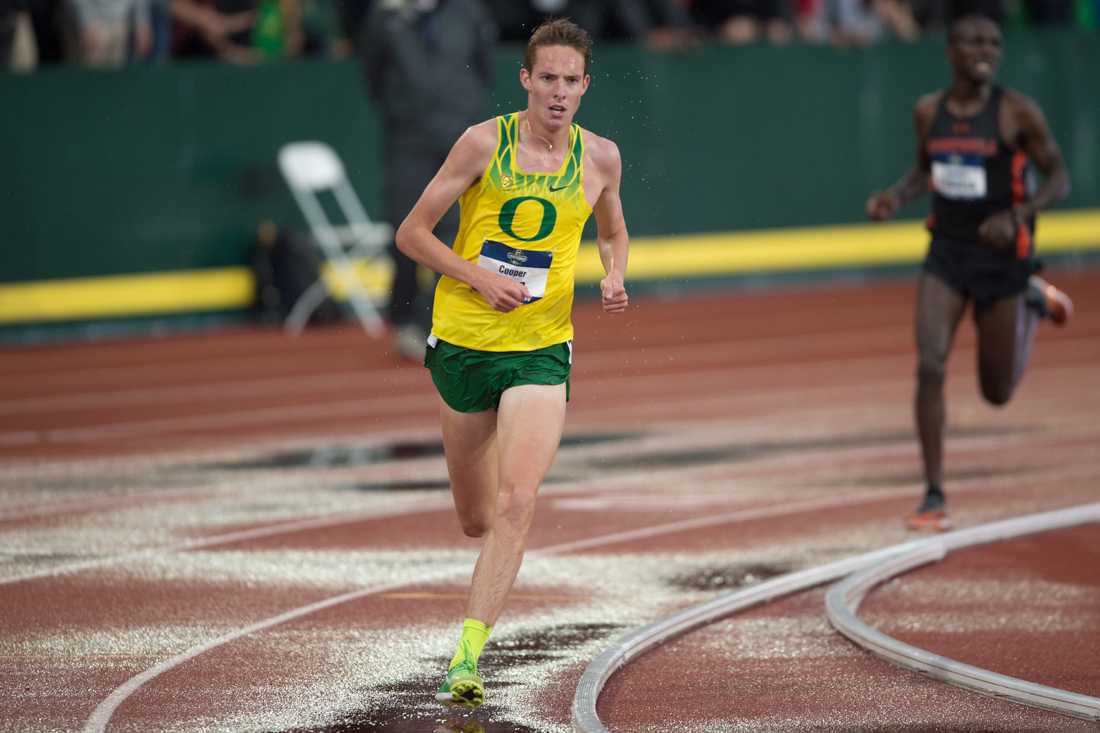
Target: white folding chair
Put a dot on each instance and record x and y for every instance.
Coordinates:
(311, 168)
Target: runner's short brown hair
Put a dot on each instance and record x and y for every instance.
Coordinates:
(559, 32)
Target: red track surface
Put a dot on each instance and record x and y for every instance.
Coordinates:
(172, 507)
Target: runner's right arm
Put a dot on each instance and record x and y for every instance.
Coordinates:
(463, 167)
(882, 205)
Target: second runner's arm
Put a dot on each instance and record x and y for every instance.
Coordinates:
(882, 205)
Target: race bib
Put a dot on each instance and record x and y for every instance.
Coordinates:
(959, 177)
(527, 267)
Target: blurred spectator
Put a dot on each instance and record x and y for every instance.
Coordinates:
(937, 15)
(47, 22)
(8, 18)
(807, 20)
(322, 27)
(992, 9)
(112, 32)
(660, 24)
(240, 31)
(664, 25)
(203, 28)
(278, 29)
(1051, 13)
(747, 21)
(160, 22)
(23, 54)
(350, 19)
(109, 32)
(428, 67)
(858, 22)
(1088, 14)
(898, 18)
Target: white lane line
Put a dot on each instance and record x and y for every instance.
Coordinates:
(383, 471)
(843, 601)
(338, 405)
(711, 439)
(740, 515)
(378, 407)
(105, 710)
(440, 504)
(342, 408)
(298, 525)
(105, 501)
(20, 437)
(58, 366)
(614, 487)
(127, 367)
(597, 359)
(101, 716)
(870, 496)
(398, 379)
(273, 386)
(631, 645)
(651, 384)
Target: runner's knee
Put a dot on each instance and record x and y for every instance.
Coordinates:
(475, 526)
(474, 514)
(996, 392)
(517, 504)
(931, 370)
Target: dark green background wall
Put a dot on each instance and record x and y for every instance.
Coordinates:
(171, 168)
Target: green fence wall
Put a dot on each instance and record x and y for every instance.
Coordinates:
(155, 169)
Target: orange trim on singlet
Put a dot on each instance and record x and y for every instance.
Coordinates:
(1019, 193)
(1019, 165)
(1023, 242)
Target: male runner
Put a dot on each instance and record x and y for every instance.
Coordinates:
(975, 141)
(500, 350)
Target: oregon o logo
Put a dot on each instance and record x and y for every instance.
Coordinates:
(508, 215)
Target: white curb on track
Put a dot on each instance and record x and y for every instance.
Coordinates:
(843, 600)
(636, 643)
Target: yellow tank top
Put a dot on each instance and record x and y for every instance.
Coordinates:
(526, 226)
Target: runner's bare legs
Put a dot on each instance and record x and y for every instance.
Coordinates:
(939, 310)
(470, 447)
(1006, 332)
(529, 426)
(496, 461)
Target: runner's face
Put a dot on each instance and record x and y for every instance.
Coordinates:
(555, 85)
(975, 50)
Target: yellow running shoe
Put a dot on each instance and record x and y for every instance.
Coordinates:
(462, 686)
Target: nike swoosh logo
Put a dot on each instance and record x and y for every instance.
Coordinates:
(559, 187)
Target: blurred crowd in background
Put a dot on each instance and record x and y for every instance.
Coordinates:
(35, 33)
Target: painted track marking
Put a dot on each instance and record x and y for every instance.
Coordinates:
(101, 716)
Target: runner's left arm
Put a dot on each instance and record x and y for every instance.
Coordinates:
(611, 234)
(1038, 143)
(1042, 149)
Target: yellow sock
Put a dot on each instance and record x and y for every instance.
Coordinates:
(470, 644)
